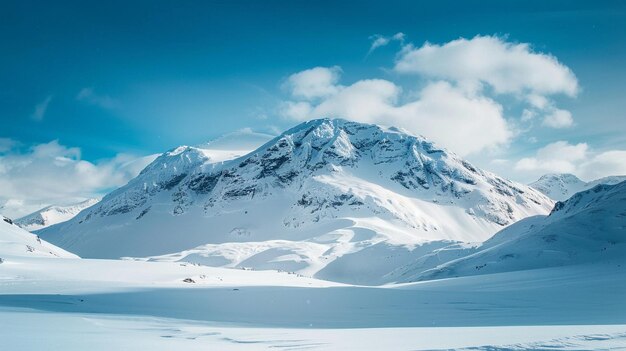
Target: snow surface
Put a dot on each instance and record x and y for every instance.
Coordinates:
(587, 228)
(560, 187)
(53, 214)
(16, 242)
(68, 304)
(576, 304)
(26, 330)
(332, 199)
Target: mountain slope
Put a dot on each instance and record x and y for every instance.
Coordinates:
(16, 242)
(331, 198)
(560, 187)
(589, 228)
(53, 214)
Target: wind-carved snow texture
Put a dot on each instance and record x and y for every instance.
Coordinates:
(588, 228)
(328, 198)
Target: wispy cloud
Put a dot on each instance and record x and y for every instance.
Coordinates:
(381, 40)
(558, 119)
(41, 109)
(89, 95)
(6, 144)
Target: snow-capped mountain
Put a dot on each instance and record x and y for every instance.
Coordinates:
(53, 214)
(588, 228)
(336, 199)
(560, 187)
(16, 242)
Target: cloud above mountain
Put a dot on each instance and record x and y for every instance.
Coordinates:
(458, 102)
(478, 121)
(53, 173)
(579, 159)
(509, 68)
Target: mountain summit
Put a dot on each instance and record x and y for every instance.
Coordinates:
(53, 214)
(336, 199)
(560, 187)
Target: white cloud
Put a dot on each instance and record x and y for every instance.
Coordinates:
(558, 119)
(604, 164)
(41, 109)
(458, 105)
(528, 115)
(314, 83)
(558, 157)
(89, 96)
(365, 100)
(538, 101)
(578, 159)
(53, 173)
(507, 67)
(380, 40)
(464, 122)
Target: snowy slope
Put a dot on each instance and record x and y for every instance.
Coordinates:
(560, 187)
(16, 242)
(588, 228)
(53, 214)
(329, 198)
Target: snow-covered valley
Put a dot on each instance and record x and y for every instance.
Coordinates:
(104, 304)
(333, 235)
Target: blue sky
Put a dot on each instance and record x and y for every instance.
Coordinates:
(123, 79)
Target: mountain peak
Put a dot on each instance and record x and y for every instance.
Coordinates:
(53, 214)
(565, 177)
(307, 201)
(560, 186)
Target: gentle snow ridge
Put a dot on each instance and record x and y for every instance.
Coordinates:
(16, 242)
(588, 228)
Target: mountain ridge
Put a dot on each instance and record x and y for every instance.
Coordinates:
(53, 214)
(560, 186)
(588, 228)
(324, 192)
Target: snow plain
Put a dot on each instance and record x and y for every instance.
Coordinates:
(75, 304)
